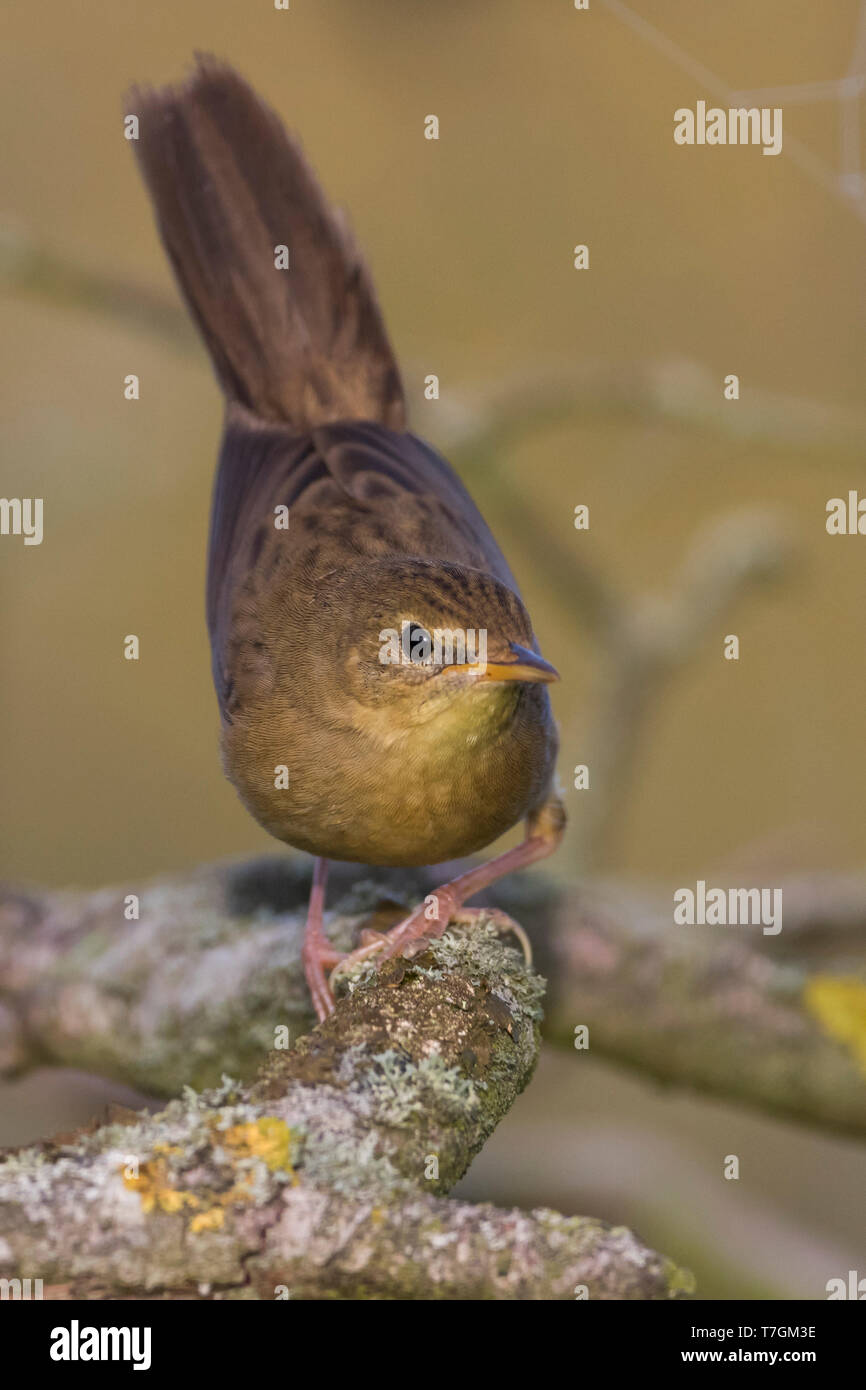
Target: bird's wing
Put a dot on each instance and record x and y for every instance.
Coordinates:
(353, 490)
(408, 485)
(260, 466)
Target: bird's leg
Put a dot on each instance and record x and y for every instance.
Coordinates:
(430, 919)
(317, 950)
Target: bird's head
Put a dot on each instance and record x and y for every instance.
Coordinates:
(418, 641)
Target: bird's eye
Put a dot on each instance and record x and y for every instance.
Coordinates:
(417, 643)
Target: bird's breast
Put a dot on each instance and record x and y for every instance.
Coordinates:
(419, 797)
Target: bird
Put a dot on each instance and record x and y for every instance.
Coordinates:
(382, 696)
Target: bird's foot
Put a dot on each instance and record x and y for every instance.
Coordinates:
(431, 918)
(408, 938)
(505, 925)
(429, 921)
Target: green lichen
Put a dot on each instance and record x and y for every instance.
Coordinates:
(401, 1089)
(353, 1165)
(679, 1281)
(480, 954)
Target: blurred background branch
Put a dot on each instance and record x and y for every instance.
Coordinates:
(198, 986)
(556, 387)
(476, 426)
(33, 268)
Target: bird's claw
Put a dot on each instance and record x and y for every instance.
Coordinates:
(505, 925)
(404, 939)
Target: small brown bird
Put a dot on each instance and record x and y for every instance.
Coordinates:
(380, 688)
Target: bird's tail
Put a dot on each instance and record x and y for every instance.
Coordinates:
(270, 272)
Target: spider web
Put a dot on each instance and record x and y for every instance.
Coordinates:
(847, 181)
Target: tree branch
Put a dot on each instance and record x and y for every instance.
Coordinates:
(778, 1023)
(204, 981)
(321, 1179)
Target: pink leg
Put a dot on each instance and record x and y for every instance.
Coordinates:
(317, 951)
(431, 918)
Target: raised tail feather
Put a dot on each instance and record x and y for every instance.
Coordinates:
(304, 345)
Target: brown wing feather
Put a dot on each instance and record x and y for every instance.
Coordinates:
(374, 490)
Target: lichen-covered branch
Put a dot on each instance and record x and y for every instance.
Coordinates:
(209, 978)
(777, 1022)
(198, 985)
(321, 1178)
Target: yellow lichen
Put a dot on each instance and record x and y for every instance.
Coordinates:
(208, 1220)
(214, 1217)
(155, 1190)
(839, 1004)
(268, 1139)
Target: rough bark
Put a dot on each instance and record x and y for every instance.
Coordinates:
(200, 984)
(322, 1177)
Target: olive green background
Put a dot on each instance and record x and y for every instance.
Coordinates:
(556, 128)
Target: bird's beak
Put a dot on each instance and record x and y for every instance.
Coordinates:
(524, 666)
